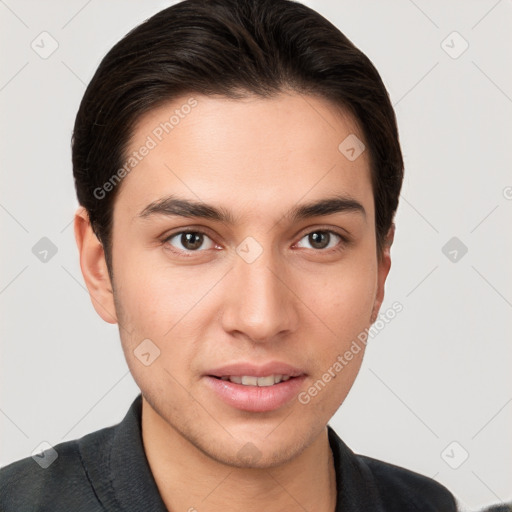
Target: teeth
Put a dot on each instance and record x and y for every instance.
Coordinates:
(249, 380)
(266, 381)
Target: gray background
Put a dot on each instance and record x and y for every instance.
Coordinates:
(438, 373)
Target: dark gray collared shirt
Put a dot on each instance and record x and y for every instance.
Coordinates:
(107, 470)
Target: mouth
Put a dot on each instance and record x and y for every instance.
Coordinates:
(252, 388)
(251, 380)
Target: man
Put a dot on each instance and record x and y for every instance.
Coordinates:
(238, 168)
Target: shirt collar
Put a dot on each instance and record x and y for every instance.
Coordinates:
(117, 468)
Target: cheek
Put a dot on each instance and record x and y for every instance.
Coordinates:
(344, 296)
(144, 299)
(341, 303)
(162, 302)
(344, 308)
(156, 304)
(352, 300)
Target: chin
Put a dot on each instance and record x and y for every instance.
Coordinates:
(253, 447)
(254, 455)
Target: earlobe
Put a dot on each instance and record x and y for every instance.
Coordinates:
(94, 267)
(384, 264)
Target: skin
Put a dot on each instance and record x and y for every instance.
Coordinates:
(296, 303)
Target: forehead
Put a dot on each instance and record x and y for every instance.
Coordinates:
(253, 152)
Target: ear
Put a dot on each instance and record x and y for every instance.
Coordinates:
(94, 267)
(384, 264)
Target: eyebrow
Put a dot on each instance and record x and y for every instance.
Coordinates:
(175, 206)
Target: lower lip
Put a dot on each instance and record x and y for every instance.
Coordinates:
(256, 398)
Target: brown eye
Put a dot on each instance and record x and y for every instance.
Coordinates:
(190, 241)
(321, 240)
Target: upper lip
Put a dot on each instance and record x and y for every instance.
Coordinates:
(261, 370)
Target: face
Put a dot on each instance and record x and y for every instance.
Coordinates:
(244, 253)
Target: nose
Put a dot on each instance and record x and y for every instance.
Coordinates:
(259, 302)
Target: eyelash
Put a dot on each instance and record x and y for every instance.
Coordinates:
(344, 241)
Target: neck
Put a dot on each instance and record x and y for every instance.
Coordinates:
(189, 480)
